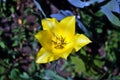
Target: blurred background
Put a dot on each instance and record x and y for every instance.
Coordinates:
(20, 20)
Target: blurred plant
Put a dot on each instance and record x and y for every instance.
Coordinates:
(82, 4)
(108, 9)
(20, 20)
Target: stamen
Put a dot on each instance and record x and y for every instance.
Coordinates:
(59, 43)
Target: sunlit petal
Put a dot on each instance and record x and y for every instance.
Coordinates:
(80, 41)
(44, 56)
(49, 23)
(45, 39)
(66, 28)
(64, 52)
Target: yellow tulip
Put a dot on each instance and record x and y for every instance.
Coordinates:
(58, 39)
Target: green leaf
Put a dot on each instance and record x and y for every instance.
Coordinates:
(15, 43)
(14, 74)
(79, 64)
(2, 77)
(1, 32)
(1, 70)
(99, 13)
(112, 18)
(24, 75)
(12, 10)
(112, 6)
(39, 7)
(2, 44)
(32, 68)
(52, 75)
(83, 28)
(99, 63)
(82, 3)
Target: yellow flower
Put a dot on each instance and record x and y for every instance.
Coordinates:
(58, 39)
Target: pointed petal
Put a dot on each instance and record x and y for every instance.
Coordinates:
(44, 56)
(45, 39)
(66, 54)
(80, 41)
(49, 23)
(66, 28)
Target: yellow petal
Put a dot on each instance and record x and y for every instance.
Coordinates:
(49, 23)
(66, 28)
(80, 41)
(44, 56)
(45, 39)
(64, 52)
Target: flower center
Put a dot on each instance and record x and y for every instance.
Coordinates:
(59, 42)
